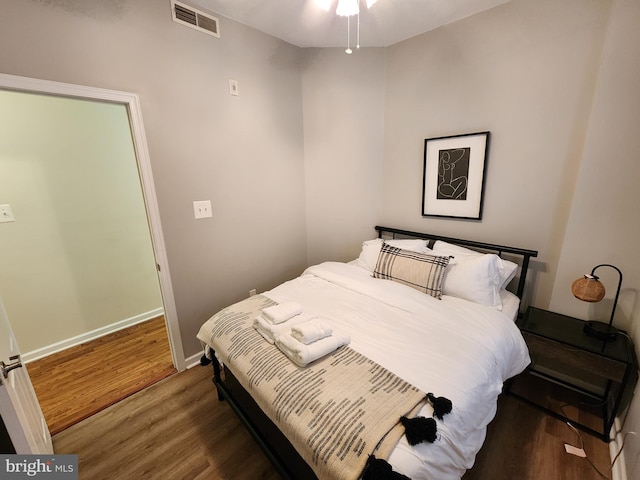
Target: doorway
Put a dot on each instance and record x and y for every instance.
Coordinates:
(90, 252)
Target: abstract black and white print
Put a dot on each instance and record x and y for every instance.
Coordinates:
(453, 173)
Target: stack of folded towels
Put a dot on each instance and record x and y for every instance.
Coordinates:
(278, 319)
(301, 337)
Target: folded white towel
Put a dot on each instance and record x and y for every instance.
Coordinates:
(270, 331)
(281, 312)
(302, 354)
(311, 331)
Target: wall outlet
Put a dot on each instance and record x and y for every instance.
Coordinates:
(252, 292)
(6, 215)
(202, 208)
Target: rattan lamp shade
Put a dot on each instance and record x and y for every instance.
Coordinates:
(588, 289)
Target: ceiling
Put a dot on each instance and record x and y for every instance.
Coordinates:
(305, 24)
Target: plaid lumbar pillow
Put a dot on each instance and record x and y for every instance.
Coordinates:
(421, 271)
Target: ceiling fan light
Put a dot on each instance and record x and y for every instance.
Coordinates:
(324, 4)
(346, 8)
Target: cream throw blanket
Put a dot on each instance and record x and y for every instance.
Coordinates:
(336, 411)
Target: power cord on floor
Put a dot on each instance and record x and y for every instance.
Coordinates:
(577, 432)
(624, 439)
(602, 475)
(615, 458)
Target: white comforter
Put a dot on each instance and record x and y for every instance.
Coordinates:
(451, 347)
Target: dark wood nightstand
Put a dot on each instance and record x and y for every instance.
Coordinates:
(572, 376)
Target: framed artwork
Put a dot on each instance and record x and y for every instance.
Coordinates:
(453, 175)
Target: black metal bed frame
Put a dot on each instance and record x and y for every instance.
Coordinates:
(500, 250)
(284, 457)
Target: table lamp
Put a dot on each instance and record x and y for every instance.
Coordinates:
(588, 288)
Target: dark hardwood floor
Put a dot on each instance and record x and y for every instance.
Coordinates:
(525, 444)
(178, 429)
(175, 429)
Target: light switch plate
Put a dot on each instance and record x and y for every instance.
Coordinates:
(202, 208)
(233, 88)
(6, 215)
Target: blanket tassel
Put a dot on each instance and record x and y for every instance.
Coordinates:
(441, 405)
(419, 429)
(378, 469)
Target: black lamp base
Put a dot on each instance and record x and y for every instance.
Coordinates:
(601, 331)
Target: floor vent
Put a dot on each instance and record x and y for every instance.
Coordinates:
(193, 18)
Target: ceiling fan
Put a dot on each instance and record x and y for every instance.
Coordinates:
(348, 8)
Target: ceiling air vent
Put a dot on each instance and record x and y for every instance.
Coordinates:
(193, 18)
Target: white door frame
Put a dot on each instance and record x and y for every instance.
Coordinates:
(132, 103)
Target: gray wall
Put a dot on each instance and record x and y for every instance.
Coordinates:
(525, 71)
(604, 224)
(243, 153)
(344, 97)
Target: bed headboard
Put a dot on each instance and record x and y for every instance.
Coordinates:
(521, 255)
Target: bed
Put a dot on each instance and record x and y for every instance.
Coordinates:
(339, 415)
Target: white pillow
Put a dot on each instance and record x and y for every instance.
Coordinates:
(506, 268)
(473, 277)
(508, 272)
(371, 250)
